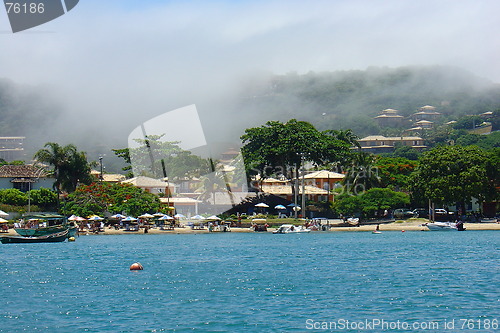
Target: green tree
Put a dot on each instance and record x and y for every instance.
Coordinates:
(278, 148)
(370, 203)
(156, 158)
(98, 198)
(125, 155)
(44, 198)
(13, 196)
(347, 205)
(362, 174)
(468, 122)
(70, 165)
(454, 174)
(395, 172)
(376, 200)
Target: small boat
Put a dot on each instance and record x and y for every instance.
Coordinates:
(445, 226)
(376, 232)
(45, 224)
(51, 238)
(291, 229)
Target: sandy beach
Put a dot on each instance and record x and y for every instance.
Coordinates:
(408, 225)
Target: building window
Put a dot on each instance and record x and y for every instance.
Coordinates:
(22, 186)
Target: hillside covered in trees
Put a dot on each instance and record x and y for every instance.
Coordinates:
(328, 100)
(350, 99)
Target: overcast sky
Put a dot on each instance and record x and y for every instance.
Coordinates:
(119, 59)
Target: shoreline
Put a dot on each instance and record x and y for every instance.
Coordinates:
(402, 226)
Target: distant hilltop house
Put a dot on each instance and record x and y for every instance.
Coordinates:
(25, 177)
(426, 113)
(389, 118)
(11, 148)
(380, 144)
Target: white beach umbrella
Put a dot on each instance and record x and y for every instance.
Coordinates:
(263, 205)
(213, 217)
(166, 217)
(198, 217)
(146, 216)
(118, 216)
(2, 213)
(179, 216)
(279, 207)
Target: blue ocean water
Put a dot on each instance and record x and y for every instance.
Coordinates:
(255, 282)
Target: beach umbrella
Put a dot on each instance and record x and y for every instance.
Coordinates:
(3, 220)
(146, 216)
(72, 217)
(2, 213)
(79, 218)
(214, 217)
(166, 217)
(179, 216)
(129, 219)
(118, 216)
(158, 214)
(263, 205)
(279, 207)
(198, 217)
(95, 218)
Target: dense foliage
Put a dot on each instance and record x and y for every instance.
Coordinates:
(70, 166)
(371, 203)
(156, 158)
(450, 174)
(278, 148)
(99, 197)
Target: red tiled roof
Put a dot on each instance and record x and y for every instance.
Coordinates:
(27, 171)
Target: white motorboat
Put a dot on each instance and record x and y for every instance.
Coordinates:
(291, 229)
(445, 226)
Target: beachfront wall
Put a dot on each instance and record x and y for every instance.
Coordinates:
(182, 205)
(312, 193)
(151, 185)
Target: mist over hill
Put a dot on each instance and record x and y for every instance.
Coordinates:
(329, 100)
(350, 99)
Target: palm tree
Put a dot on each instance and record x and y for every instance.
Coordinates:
(216, 181)
(362, 175)
(70, 166)
(345, 135)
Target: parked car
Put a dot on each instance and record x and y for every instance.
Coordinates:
(403, 213)
(421, 212)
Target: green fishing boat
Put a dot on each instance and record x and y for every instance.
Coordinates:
(45, 224)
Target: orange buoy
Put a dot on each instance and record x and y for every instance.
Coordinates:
(402, 231)
(136, 267)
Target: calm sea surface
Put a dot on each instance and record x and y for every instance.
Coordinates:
(255, 282)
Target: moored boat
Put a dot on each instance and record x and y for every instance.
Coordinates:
(50, 238)
(45, 224)
(445, 226)
(291, 229)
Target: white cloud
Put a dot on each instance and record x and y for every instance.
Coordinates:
(109, 59)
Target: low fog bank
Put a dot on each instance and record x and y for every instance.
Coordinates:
(330, 100)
